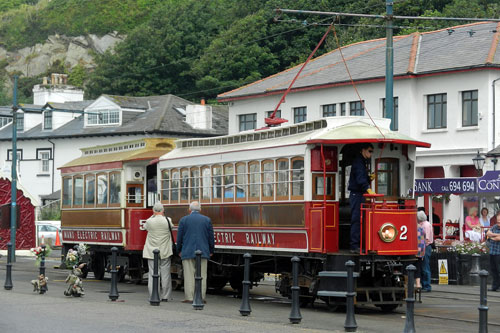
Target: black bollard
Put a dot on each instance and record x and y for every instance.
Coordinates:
(350, 324)
(245, 297)
(43, 287)
(410, 300)
(8, 276)
(295, 316)
(113, 291)
(483, 308)
(155, 295)
(197, 300)
(474, 270)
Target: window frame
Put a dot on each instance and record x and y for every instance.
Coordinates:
(242, 120)
(85, 204)
(314, 188)
(443, 109)
(258, 184)
(185, 188)
(356, 108)
(472, 101)
(395, 186)
(214, 185)
(63, 205)
(292, 160)
(100, 174)
(47, 115)
(277, 181)
(192, 185)
(395, 122)
(264, 183)
(299, 114)
(204, 187)
(165, 190)
(135, 204)
(224, 184)
(75, 177)
(176, 189)
(329, 113)
(115, 204)
(245, 182)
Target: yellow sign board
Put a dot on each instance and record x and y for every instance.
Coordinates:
(443, 271)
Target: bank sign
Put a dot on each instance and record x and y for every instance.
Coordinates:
(489, 183)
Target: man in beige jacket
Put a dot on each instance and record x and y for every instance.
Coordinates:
(159, 238)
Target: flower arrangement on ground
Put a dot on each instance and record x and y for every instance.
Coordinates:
(463, 247)
(40, 251)
(74, 256)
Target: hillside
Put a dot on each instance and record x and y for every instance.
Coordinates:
(192, 48)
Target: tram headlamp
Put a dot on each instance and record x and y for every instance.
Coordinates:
(388, 232)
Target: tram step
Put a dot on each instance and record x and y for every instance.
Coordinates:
(336, 274)
(327, 293)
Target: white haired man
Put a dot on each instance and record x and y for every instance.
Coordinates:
(159, 238)
(195, 233)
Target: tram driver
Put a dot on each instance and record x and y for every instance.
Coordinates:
(359, 184)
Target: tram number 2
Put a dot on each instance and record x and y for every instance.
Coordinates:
(403, 235)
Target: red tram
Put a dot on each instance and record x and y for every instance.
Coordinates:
(274, 193)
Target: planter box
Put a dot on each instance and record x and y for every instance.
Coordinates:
(459, 267)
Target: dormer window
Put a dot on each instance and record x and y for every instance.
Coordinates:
(5, 121)
(20, 121)
(47, 120)
(103, 117)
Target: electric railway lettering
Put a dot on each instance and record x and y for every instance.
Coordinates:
(224, 238)
(259, 238)
(92, 236)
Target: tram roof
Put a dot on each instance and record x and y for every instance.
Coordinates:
(333, 130)
(136, 150)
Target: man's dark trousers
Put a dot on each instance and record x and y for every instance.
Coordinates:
(355, 201)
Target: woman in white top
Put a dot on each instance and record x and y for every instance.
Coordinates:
(484, 219)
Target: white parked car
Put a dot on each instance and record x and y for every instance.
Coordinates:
(49, 233)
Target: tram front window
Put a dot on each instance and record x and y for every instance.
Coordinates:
(387, 176)
(134, 195)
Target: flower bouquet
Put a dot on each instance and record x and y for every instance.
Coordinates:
(39, 252)
(74, 256)
(470, 248)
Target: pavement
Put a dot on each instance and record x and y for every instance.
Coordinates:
(445, 309)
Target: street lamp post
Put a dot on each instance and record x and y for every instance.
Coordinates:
(478, 163)
(13, 184)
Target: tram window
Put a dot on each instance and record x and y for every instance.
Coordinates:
(228, 182)
(267, 180)
(102, 190)
(89, 190)
(165, 185)
(175, 186)
(114, 188)
(67, 191)
(297, 178)
(134, 195)
(217, 183)
(319, 187)
(184, 185)
(254, 180)
(282, 170)
(241, 186)
(387, 171)
(195, 184)
(205, 184)
(78, 191)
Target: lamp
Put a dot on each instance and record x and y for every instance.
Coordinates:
(478, 163)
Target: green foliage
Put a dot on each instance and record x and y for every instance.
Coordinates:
(77, 76)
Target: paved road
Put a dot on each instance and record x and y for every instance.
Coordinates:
(24, 311)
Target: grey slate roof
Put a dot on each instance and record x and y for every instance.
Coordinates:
(415, 54)
(161, 118)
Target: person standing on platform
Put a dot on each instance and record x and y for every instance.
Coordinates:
(159, 238)
(493, 241)
(429, 239)
(195, 233)
(359, 184)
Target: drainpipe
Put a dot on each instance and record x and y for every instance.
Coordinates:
(493, 86)
(53, 163)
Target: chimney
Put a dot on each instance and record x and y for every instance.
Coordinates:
(44, 81)
(52, 78)
(199, 116)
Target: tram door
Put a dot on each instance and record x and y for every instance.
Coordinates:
(323, 220)
(151, 185)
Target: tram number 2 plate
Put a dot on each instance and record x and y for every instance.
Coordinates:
(403, 235)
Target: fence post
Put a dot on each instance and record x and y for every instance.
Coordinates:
(295, 316)
(155, 296)
(483, 307)
(197, 300)
(350, 324)
(410, 300)
(8, 276)
(245, 297)
(113, 292)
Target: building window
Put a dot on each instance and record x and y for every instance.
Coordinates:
(329, 110)
(44, 162)
(277, 115)
(394, 122)
(5, 121)
(356, 108)
(47, 120)
(103, 117)
(19, 153)
(436, 111)
(299, 114)
(469, 108)
(20, 121)
(248, 121)
(342, 109)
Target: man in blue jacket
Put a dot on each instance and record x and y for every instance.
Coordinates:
(359, 184)
(195, 233)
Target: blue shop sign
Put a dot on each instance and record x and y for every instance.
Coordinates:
(489, 183)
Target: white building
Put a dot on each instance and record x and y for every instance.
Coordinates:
(446, 92)
(52, 134)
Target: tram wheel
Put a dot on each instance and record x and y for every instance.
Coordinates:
(98, 266)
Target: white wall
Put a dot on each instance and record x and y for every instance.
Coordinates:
(42, 95)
